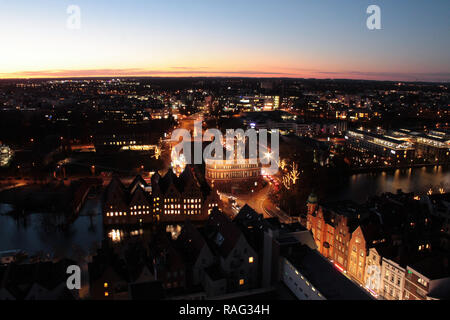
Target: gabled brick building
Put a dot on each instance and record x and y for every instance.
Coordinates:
(167, 199)
(332, 228)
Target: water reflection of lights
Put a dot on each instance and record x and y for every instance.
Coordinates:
(115, 235)
(6, 155)
(137, 232)
(174, 230)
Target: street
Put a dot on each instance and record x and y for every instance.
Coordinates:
(262, 204)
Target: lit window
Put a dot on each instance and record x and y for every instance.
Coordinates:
(106, 293)
(241, 282)
(105, 285)
(250, 260)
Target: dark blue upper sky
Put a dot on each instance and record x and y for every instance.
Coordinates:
(310, 38)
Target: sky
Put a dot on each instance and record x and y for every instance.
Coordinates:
(252, 38)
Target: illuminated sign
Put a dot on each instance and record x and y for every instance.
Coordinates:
(339, 267)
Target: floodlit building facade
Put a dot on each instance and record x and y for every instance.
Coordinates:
(167, 199)
(379, 145)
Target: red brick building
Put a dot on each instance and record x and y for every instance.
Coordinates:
(338, 235)
(167, 199)
(331, 231)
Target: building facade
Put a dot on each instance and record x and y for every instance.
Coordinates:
(357, 256)
(331, 232)
(380, 145)
(229, 175)
(373, 281)
(393, 280)
(167, 199)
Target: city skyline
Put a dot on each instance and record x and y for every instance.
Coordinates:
(251, 39)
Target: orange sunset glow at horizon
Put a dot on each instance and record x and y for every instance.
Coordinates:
(187, 72)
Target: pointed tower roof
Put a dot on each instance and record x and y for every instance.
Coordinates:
(223, 233)
(191, 240)
(115, 195)
(139, 197)
(313, 199)
(138, 181)
(155, 183)
(166, 181)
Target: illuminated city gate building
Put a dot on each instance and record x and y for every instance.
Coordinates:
(226, 174)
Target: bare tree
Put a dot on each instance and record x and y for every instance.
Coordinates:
(294, 173)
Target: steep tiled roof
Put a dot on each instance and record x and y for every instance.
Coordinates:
(137, 182)
(191, 241)
(223, 233)
(116, 194)
(139, 197)
(164, 254)
(19, 278)
(147, 291)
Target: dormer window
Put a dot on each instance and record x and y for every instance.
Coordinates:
(219, 239)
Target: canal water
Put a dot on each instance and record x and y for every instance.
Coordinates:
(358, 187)
(32, 235)
(87, 231)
